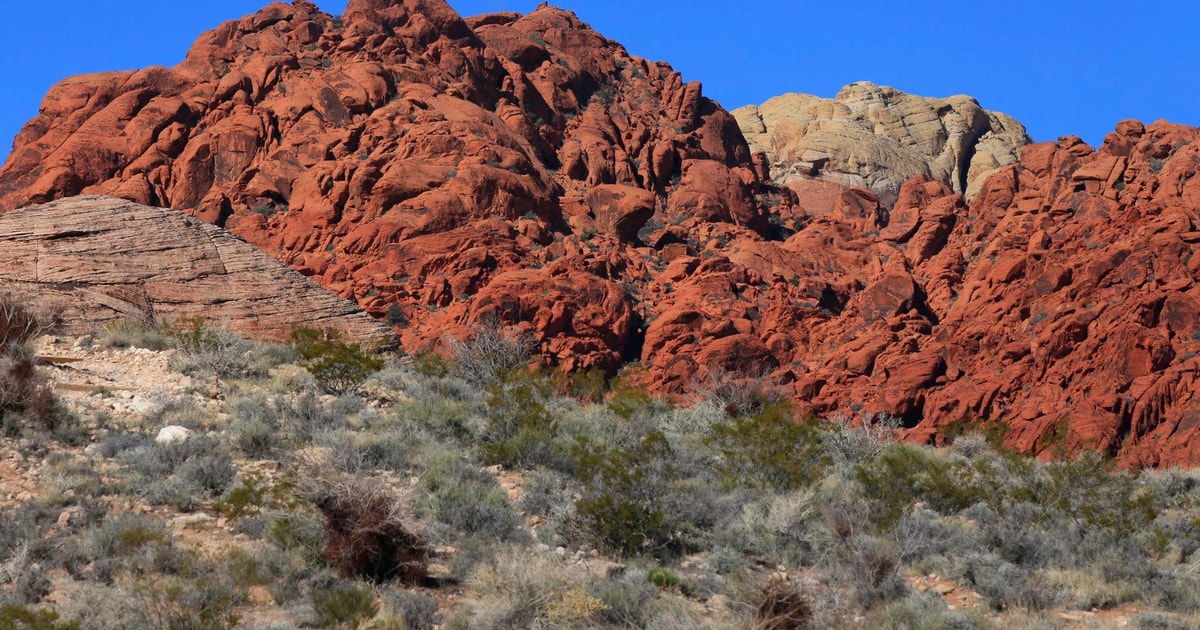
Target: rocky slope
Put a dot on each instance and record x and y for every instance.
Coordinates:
(103, 259)
(877, 137)
(524, 169)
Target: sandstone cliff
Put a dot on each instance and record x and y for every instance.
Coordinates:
(411, 160)
(105, 259)
(877, 137)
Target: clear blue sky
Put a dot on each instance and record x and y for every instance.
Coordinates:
(1060, 66)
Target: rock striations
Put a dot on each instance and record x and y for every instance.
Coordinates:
(525, 170)
(103, 259)
(877, 137)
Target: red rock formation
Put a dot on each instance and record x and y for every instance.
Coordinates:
(524, 168)
(400, 155)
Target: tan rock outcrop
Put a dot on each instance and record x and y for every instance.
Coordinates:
(105, 259)
(876, 137)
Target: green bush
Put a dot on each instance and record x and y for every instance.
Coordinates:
(337, 366)
(520, 429)
(340, 604)
(770, 450)
(14, 617)
(662, 578)
(621, 511)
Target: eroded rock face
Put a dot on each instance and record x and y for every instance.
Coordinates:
(106, 259)
(406, 158)
(1061, 302)
(877, 137)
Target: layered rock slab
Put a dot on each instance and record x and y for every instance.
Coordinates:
(104, 259)
(877, 137)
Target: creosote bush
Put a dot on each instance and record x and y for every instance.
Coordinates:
(621, 511)
(338, 366)
(770, 449)
(520, 429)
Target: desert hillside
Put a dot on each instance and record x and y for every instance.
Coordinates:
(525, 170)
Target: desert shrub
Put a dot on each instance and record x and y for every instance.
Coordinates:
(662, 578)
(19, 617)
(628, 401)
(516, 588)
(782, 605)
(102, 607)
(468, 500)
(778, 526)
(487, 354)
(904, 473)
(22, 581)
(697, 420)
(1006, 585)
(206, 349)
(1159, 621)
(254, 438)
(1087, 491)
(297, 532)
(209, 474)
(298, 416)
(367, 531)
(545, 493)
(180, 474)
(414, 610)
(26, 397)
(770, 449)
(520, 429)
(25, 537)
(737, 393)
(920, 533)
(923, 612)
(339, 367)
(201, 595)
(378, 449)
(1020, 535)
(970, 445)
(621, 511)
(874, 571)
(856, 443)
(249, 497)
(114, 444)
(126, 534)
(135, 334)
(443, 417)
(574, 608)
(628, 600)
(342, 604)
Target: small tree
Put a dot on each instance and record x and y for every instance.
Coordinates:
(337, 366)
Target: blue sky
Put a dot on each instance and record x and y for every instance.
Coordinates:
(1062, 67)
